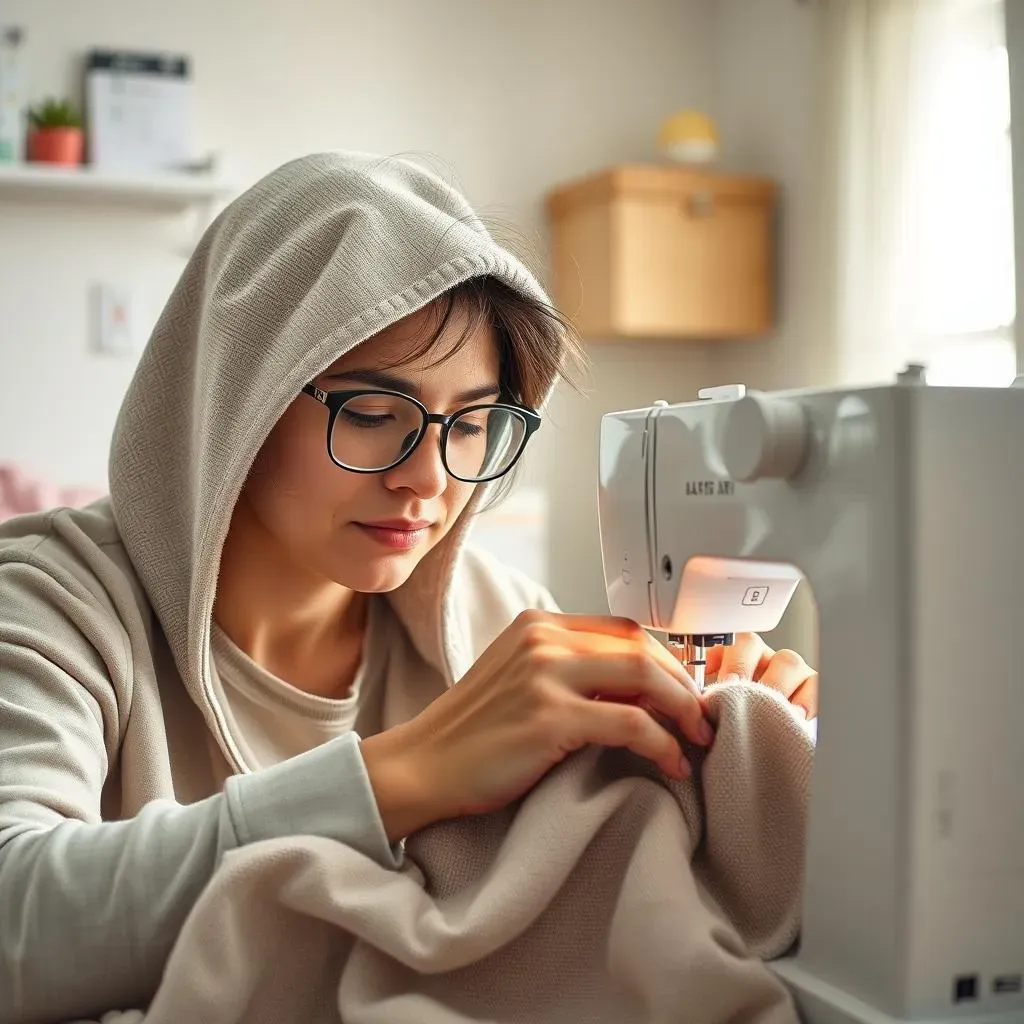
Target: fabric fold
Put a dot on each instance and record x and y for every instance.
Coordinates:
(608, 894)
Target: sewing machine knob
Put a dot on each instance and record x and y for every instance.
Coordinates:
(764, 438)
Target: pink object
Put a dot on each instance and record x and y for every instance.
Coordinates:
(20, 492)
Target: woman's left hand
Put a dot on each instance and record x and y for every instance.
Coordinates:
(751, 658)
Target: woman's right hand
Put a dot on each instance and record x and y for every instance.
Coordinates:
(548, 685)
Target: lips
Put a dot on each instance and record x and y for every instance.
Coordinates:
(399, 524)
(396, 534)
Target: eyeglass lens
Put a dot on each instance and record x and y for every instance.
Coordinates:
(373, 432)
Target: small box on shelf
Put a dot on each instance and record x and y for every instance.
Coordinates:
(139, 110)
(663, 252)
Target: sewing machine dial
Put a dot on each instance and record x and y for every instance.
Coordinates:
(765, 438)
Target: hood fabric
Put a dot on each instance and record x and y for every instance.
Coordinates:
(318, 256)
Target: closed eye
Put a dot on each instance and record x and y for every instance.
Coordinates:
(361, 419)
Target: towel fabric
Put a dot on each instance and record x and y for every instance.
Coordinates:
(608, 894)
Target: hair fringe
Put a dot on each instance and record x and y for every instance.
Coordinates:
(537, 346)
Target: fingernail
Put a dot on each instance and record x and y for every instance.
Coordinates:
(705, 733)
(731, 677)
(799, 710)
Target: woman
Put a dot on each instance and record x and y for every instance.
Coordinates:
(204, 659)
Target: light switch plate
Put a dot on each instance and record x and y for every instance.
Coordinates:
(113, 320)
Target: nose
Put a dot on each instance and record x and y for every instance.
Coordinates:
(423, 472)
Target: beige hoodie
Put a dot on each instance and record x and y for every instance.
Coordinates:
(122, 785)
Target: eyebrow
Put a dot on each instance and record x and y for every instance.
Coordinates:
(388, 381)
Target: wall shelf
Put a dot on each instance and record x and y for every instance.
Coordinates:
(161, 191)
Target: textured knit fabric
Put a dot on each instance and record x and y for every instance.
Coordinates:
(608, 895)
(122, 785)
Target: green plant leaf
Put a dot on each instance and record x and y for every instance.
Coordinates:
(53, 113)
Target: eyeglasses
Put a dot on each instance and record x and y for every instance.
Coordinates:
(370, 431)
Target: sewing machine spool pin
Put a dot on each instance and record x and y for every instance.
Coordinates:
(692, 651)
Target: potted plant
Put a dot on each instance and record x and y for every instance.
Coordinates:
(55, 133)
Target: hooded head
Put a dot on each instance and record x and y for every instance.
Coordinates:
(323, 255)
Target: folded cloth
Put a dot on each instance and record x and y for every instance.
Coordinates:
(607, 894)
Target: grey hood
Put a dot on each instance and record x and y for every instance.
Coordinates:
(318, 256)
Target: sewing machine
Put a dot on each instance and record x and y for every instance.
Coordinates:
(902, 507)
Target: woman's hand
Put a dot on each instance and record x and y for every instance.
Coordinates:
(548, 685)
(751, 658)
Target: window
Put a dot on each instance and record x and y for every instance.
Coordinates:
(961, 182)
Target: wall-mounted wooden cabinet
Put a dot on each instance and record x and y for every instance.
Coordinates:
(663, 252)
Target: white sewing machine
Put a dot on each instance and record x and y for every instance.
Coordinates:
(903, 508)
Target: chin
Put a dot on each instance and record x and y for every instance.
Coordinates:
(380, 574)
(367, 565)
(378, 580)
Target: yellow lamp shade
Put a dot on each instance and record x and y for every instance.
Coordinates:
(690, 137)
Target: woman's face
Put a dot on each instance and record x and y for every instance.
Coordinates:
(340, 525)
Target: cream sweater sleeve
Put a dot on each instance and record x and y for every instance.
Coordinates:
(89, 910)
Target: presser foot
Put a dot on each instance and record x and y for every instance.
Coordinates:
(692, 651)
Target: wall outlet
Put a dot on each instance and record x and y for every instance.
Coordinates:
(113, 320)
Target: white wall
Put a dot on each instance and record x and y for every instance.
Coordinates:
(767, 100)
(512, 97)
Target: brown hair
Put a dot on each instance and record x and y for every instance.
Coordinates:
(537, 344)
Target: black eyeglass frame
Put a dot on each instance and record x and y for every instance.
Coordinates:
(334, 400)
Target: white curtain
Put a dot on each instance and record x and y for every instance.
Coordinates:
(917, 190)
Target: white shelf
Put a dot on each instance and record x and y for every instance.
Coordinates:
(164, 191)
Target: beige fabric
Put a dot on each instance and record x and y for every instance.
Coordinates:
(270, 719)
(606, 895)
(273, 720)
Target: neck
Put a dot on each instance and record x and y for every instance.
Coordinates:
(303, 628)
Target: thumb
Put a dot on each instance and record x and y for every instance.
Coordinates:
(746, 658)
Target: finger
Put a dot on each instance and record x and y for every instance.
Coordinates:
(605, 625)
(806, 696)
(606, 635)
(672, 664)
(579, 633)
(628, 637)
(747, 657)
(638, 675)
(786, 672)
(623, 725)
